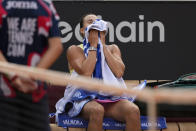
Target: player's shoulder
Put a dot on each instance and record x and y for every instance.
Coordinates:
(74, 49)
(113, 47)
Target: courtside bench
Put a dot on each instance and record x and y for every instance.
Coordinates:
(176, 124)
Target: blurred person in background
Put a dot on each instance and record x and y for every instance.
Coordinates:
(29, 36)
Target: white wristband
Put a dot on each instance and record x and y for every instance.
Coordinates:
(91, 48)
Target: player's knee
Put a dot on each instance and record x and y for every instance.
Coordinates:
(97, 113)
(136, 110)
(132, 113)
(97, 110)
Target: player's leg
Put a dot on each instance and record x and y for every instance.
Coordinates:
(94, 112)
(125, 111)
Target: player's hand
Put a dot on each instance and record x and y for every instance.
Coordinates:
(25, 85)
(93, 38)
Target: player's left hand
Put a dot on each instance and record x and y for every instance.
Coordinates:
(102, 37)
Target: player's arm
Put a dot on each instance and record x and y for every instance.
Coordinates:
(54, 50)
(78, 61)
(113, 57)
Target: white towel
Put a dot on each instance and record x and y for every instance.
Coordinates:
(107, 74)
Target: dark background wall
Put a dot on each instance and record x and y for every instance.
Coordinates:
(144, 60)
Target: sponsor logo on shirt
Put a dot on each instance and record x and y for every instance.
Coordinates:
(21, 5)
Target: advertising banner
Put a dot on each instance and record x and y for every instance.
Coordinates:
(157, 39)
